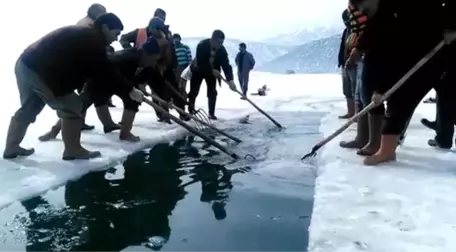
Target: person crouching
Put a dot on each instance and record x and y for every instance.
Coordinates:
(49, 72)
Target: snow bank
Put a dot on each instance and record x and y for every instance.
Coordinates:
(404, 206)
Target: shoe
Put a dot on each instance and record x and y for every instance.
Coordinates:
(86, 127)
(71, 135)
(375, 134)
(184, 117)
(362, 135)
(430, 100)
(16, 133)
(436, 144)
(191, 106)
(386, 152)
(125, 134)
(105, 118)
(163, 119)
(53, 133)
(429, 124)
(350, 109)
(211, 105)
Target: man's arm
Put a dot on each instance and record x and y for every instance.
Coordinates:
(103, 71)
(252, 61)
(341, 55)
(127, 39)
(236, 60)
(225, 63)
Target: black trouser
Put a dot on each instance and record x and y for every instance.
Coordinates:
(163, 86)
(372, 76)
(173, 88)
(446, 102)
(401, 105)
(92, 94)
(195, 85)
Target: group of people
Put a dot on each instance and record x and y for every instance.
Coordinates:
(80, 57)
(382, 41)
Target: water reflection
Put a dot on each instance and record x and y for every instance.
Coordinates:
(104, 213)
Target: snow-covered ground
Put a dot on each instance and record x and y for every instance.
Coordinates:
(407, 205)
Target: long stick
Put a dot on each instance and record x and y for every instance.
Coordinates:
(201, 114)
(190, 129)
(254, 105)
(179, 110)
(372, 105)
(175, 91)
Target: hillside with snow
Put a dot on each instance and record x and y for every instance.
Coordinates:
(302, 36)
(263, 52)
(318, 56)
(303, 51)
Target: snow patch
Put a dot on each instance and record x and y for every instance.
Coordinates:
(408, 205)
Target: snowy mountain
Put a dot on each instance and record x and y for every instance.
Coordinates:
(262, 52)
(302, 36)
(319, 56)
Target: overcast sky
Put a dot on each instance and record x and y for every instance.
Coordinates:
(242, 19)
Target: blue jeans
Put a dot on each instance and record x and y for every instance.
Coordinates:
(360, 96)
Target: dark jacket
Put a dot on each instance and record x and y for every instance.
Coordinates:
(127, 62)
(449, 17)
(67, 57)
(342, 57)
(245, 62)
(201, 62)
(394, 37)
(130, 38)
(399, 26)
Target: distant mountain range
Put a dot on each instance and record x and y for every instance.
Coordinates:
(318, 56)
(300, 37)
(304, 51)
(263, 52)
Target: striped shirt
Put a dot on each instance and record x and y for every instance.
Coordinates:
(183, 55)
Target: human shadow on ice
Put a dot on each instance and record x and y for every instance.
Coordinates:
(110, 214)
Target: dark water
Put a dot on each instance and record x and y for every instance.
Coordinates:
(169, 197)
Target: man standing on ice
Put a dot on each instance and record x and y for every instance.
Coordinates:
(48, 72)
(210, 55)
(184, 58)
(245, 62)
(94, 11)
(394, 27)
(139, 36)
(348, 86)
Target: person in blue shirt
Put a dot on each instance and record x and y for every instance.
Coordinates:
(184, 58)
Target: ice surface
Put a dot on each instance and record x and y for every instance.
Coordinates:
(408, 205)
(403, 206)
(44, 170)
